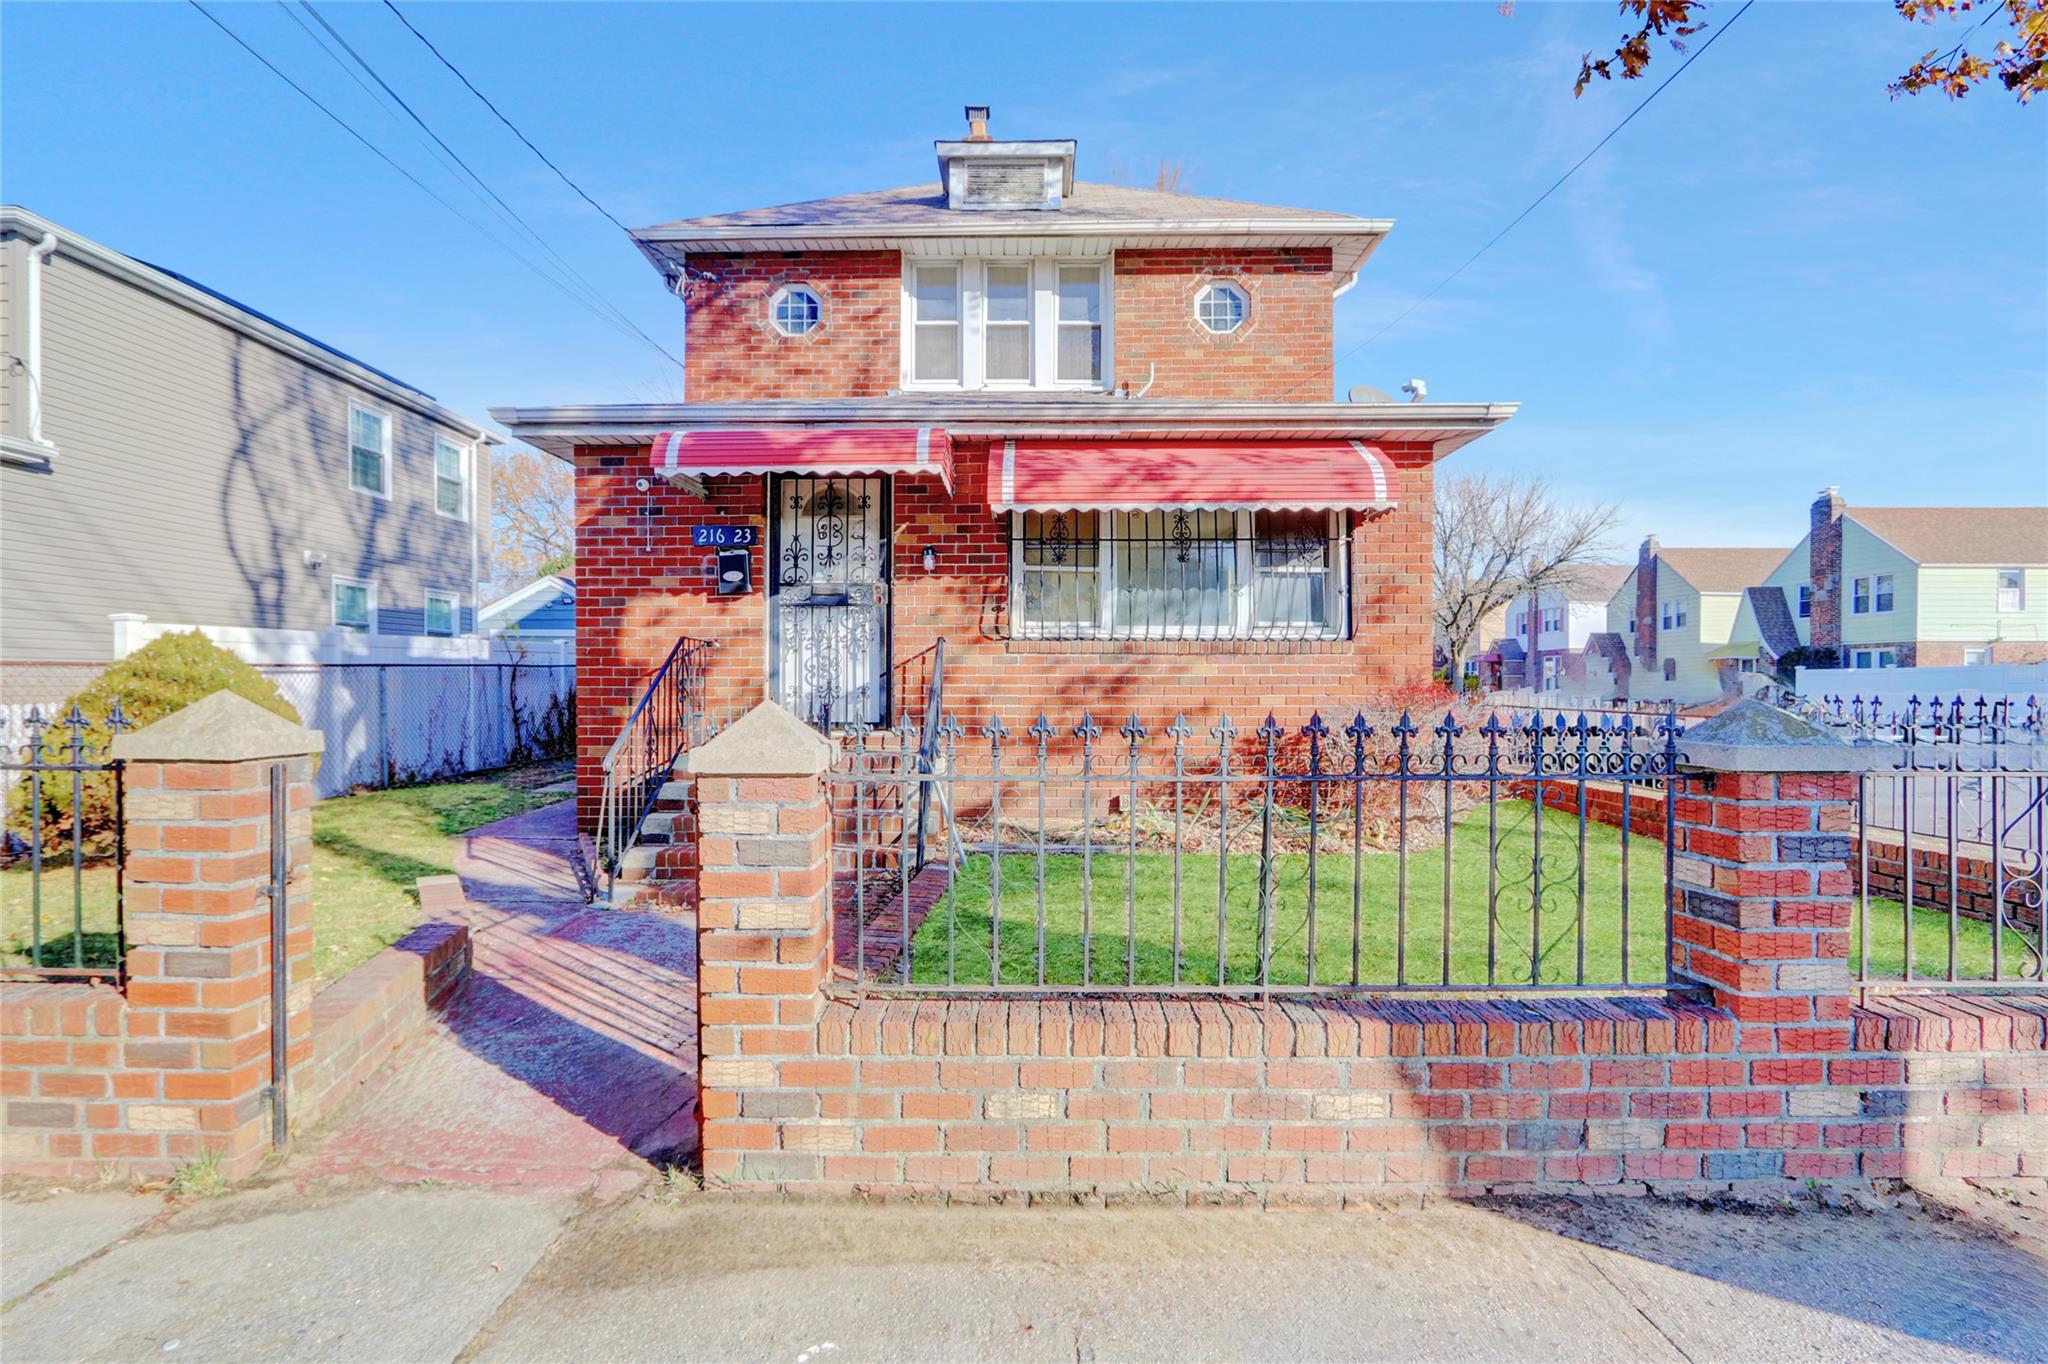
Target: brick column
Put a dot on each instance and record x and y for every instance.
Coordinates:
(1765, 897)
(198, 1052)
(764, 943)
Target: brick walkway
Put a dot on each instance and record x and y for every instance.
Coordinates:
(570, 1051)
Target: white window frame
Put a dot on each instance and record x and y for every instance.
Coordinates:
(1242, 627)
(1244, 310)
(1552, 679)
(349, 436)
(1883, 592)
(2018, 598)
(1804, 605)
(775, 310)
(1977, 658)
(1859, 597)
(454, 600)
(1044, 324)
(334, 605)
(462, 456)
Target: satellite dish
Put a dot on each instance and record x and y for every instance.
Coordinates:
(1366, 393)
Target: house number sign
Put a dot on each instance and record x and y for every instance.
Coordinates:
(725, 537)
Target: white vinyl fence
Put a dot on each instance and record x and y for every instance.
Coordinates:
(392, 724)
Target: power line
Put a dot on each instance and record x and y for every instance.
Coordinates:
(1536, 203)
(506, 121)
(421, 185)
(479, 186)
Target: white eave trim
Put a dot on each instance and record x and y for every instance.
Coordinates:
(133, 272)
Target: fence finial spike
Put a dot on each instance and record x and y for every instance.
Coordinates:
(1223, 729)
(1133, 729)
(1087, 731)
(1041, 728)
(1315, 728)
(1179, 728)
(1360, 728)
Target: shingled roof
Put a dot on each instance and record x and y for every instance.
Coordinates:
(1960, 535)
(910, 207)
(1722, 570)
(1774, 623)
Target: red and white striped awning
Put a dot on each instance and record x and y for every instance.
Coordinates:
(914, 451)
(1238, 475)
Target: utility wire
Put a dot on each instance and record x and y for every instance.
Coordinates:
(1536, 203)
(509, 124)
(477, 184)
(381, 155)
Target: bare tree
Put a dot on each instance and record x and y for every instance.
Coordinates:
(1499, 538)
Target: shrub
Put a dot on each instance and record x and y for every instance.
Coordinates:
(163, 677)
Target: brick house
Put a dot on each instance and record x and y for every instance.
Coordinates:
(1079, 432)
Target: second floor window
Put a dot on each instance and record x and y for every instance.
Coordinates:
(369, 451)
(2012, 590)
(451, 479)
(1881, 591)
(1005, 324)
(1859, 598)
(1553, 619)
(1805, 600)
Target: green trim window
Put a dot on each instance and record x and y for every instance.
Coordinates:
(444, 613)
(451, 479)
(369, 451)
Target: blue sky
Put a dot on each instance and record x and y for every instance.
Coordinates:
(1775, 278)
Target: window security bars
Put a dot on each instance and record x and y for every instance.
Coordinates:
(1388, 856)
(63, 843)
(1949, 841)
(668, 719)
(1179, 573)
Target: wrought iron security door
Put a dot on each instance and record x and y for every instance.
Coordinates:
(828, 605)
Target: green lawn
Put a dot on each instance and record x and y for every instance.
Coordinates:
(367, 852)
(963, 916)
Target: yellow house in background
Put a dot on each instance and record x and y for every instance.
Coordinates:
(1672, 616)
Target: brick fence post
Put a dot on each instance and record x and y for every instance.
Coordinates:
(197, 912)
(1765, 898)
(764, 940)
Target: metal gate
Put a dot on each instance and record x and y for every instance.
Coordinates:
(828, 603)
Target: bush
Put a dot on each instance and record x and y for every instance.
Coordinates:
(163, 677)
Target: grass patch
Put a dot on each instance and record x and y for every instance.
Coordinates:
(367, 852)
(1529, 935)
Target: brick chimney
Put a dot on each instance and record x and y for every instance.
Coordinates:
(977, 123)
(1646, 601)
(1825, 557)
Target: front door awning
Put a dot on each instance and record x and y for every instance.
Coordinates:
(1237, 475)
(912, 450)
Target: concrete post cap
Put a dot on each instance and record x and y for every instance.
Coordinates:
(765, 742)
(221, 728)
(1754, 736)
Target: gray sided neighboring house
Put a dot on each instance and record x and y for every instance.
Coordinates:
(167, 451)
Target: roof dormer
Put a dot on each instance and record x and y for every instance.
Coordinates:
(980, 173)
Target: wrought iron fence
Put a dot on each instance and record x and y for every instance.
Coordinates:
(61, 859)
(668, 719)
(1950, 835)
(1271, 861)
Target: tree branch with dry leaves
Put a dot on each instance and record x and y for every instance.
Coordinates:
(534, 518)
(2018, 59)
(1501, 538)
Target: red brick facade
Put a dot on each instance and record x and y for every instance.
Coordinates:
(1281, 353)
(733, 354)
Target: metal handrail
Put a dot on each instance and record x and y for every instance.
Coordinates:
(928, 742)
(668, 719)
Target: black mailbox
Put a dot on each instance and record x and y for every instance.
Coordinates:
(735, 572)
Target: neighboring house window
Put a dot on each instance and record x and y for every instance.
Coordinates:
(1471, 667)
(1887, 659)
(1664, 615)
(1550, 678)
(1881, 590)
(1006, 324)
(451, 479)
(444, 613)
(1975, 658)
(1553, 619)
(1859, 598)
(355, 604)
(369, 451)
(795, 310)
(2012, 590)
(1670, 670)
(1221, 307)
(1877, 658)
(1805, 601)
(1178, 573)
(1678, 613)
(1745, 665)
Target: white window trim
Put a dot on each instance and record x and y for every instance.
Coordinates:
(2019, 593)
(1976, 658)
(1879, 605)
(466, 452)
(1244, 299)
(349, 449)
(334, 607)
(454, 600)
(775, 309)
(1044, 324)
(1336, 590)
(1859, 597)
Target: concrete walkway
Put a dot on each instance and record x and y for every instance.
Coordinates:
(570, 1052)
